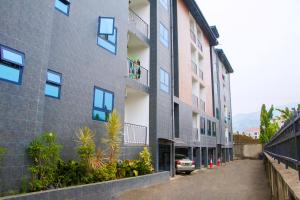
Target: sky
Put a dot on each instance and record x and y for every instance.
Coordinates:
(261, 39)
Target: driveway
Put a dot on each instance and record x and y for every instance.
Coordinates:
(237, 180)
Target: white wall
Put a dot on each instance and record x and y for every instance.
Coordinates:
(137, 109)
(142, 10)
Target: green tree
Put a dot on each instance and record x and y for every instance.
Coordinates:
(285, 114)
(298, 108)
(268, 126)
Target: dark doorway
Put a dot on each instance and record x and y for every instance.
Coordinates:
(164, 157)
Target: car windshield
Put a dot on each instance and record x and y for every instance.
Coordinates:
(180, 156)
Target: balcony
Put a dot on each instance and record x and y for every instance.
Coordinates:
(139, 23)
(193, 36)
(136, 72)
(195, 100)
(196, 134)
(135, 134)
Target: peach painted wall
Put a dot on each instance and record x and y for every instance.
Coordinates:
(207, 70)
(184, 51)
(185, 68)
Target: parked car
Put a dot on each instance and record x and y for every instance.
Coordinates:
(184, 164)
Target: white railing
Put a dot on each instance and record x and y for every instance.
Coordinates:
(135, 134)
(137, 72)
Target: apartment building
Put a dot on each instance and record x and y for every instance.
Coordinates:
(68, 64)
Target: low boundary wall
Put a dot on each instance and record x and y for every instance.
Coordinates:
(95, 191)
(284, 182)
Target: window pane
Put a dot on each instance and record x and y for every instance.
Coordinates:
(163, 32)
(108, 101)
(113, 38)
(61, 6)
(53, 77)
(164, 3)
(106, 45)
(9, 73)
(12, 56)
(52, 90)
(99, 115)
(98, 99)
(166, 78)
(162, 76)
(106, 26)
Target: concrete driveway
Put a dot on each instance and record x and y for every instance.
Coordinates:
(238, 180)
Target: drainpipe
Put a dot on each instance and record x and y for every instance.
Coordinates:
(172, 90)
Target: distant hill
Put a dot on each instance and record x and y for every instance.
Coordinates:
(241, 122)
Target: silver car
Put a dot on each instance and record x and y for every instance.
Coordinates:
(184, 164)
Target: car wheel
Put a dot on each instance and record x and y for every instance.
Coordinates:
(188, 173)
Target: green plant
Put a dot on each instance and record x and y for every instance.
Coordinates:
(106, 173)
(127, 168)
(113, 129)
(70, 173)
(268, 126)
(285, 114)
(2, 153)
(45, 155)
(86, 145)
(144, 165)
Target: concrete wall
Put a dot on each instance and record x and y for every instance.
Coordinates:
(247, 150)
(284, 182)
(104, 190)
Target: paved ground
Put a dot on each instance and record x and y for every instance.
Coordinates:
(238, 180)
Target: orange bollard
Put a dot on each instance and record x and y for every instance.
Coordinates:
(210, 164)
(219, 162)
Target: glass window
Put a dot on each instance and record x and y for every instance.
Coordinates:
(208, 127)
(53, 84)
(202, 125)
(106, 26)
(108, 42)
(163, 35)
(164, 80)
(63, 6)
(11, 64)
(10, 73)
(214, 129)
(103, 104)
(164, 3)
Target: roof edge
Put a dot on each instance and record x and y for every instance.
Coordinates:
(224, 60)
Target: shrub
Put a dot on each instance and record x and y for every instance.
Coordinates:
(45, 155)
(127, 168)
(144, 164)
(113, 129)
(106, 173)
(2, 152)
(86, 145)
(70, 173)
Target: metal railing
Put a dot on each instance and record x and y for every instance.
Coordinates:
(196, 134)
(195, 100)
(139, 23)
(135, 134)
(194, 67)
(199, 45)
(137, 72)
(285, 144)
(200, 73)
(202, 105)
(193, 35)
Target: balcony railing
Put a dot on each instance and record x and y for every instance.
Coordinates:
(137, 72)
(139, 23)
(193, 36)
(135, 134)
(202, 105)
(199, 45)
(195, 134)
(194, 67)
(200, 74)
(195, 101)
